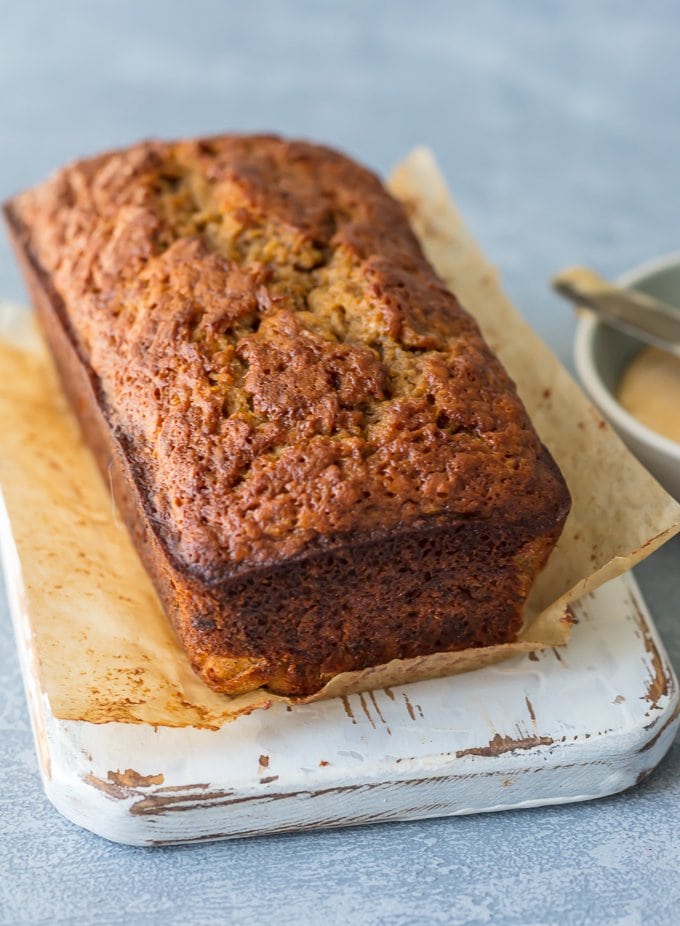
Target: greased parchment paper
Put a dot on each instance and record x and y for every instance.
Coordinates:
(100, 644)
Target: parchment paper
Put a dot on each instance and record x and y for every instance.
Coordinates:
(103, 648)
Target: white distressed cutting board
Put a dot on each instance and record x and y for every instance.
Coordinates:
(587, 721)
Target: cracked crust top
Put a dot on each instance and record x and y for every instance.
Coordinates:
(276, 353)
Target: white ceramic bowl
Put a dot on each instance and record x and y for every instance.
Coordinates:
(602, 353)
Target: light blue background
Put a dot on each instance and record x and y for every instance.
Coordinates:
(558, 128)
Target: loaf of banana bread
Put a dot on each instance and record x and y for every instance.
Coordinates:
(320, 461)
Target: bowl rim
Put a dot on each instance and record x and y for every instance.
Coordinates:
(589, 374)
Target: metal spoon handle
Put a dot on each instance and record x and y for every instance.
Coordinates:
(636, 313)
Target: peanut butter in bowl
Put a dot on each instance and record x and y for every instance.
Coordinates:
(649, 390)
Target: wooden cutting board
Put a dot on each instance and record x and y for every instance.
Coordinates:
(572, 724)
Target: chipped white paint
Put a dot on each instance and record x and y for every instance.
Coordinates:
(584, 722)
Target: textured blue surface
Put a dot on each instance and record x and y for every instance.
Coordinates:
(557, 127)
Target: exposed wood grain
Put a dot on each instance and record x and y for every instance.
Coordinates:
(500, 744)
(659, 678)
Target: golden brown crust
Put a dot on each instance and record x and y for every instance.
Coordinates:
(331, 467)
